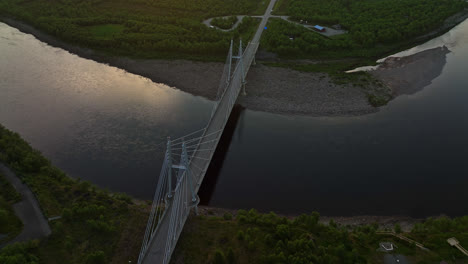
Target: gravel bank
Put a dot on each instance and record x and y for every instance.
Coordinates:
(408, 75)
(273, 89)
(269, 89)
(281, 90)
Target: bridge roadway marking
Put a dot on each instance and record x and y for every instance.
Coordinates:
(156, 249)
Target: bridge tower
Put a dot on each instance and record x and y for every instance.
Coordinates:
(176, 201)
(240, 62)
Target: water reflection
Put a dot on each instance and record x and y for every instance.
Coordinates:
(96, 122)
(408, 159)
(211, 177)
(103, 124)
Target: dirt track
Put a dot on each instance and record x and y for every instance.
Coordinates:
(35, 225)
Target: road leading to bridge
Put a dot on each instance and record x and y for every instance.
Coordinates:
(162, 243)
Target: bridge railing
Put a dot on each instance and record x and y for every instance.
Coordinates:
(171, 206)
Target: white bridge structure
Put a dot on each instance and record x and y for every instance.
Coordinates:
(187, 159)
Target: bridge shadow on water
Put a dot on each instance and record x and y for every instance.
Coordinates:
(211, 177)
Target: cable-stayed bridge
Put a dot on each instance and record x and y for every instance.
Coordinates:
(187, 159)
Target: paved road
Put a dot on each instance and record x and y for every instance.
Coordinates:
(329, 32)
(160, 244)
(35, 225)
(239, 20)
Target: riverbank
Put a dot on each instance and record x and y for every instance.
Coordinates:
(410, 74)
(269, 89)
(384, 222)
(272, 89)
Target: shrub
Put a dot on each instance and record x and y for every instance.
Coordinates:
(227, 216)
(397, 228)
(219, 257)
(240, 235)
(230, 256)
(252, 245)
(282, 232)
(97, 257)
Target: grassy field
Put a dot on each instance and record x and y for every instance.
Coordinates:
(10, 224)
(139, 28)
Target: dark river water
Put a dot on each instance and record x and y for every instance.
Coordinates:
(105, 125)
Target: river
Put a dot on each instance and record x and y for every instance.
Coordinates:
(102, 124)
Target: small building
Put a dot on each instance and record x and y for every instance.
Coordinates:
(319, 28)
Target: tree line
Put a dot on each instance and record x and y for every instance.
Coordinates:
(374, 27)
(148, 29)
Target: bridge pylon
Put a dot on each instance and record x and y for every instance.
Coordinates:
(174, 201)
(240, 63)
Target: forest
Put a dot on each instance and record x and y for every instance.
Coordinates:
(267, 238)
(172, 29)
(96, 227)
(10, 224)
(374, 27)
(224, 22)
(139, 28)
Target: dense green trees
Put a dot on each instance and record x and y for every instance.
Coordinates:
(224, 22)
(10, 224)
(374, 27)
(20, 253)
(93, 220)
(139, 28)
(371, 22)
(252, 237)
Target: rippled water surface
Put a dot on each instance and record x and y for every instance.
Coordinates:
(103, 124)
(96, 122)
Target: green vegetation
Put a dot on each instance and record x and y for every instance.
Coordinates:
(96, 226)
(375, 27)
(20, 253)
(139, 28)
(267, 238)
(100, 227)
(10, 224)
(106, 31)
(224, 22)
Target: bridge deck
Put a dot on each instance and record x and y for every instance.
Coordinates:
(201, 160)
